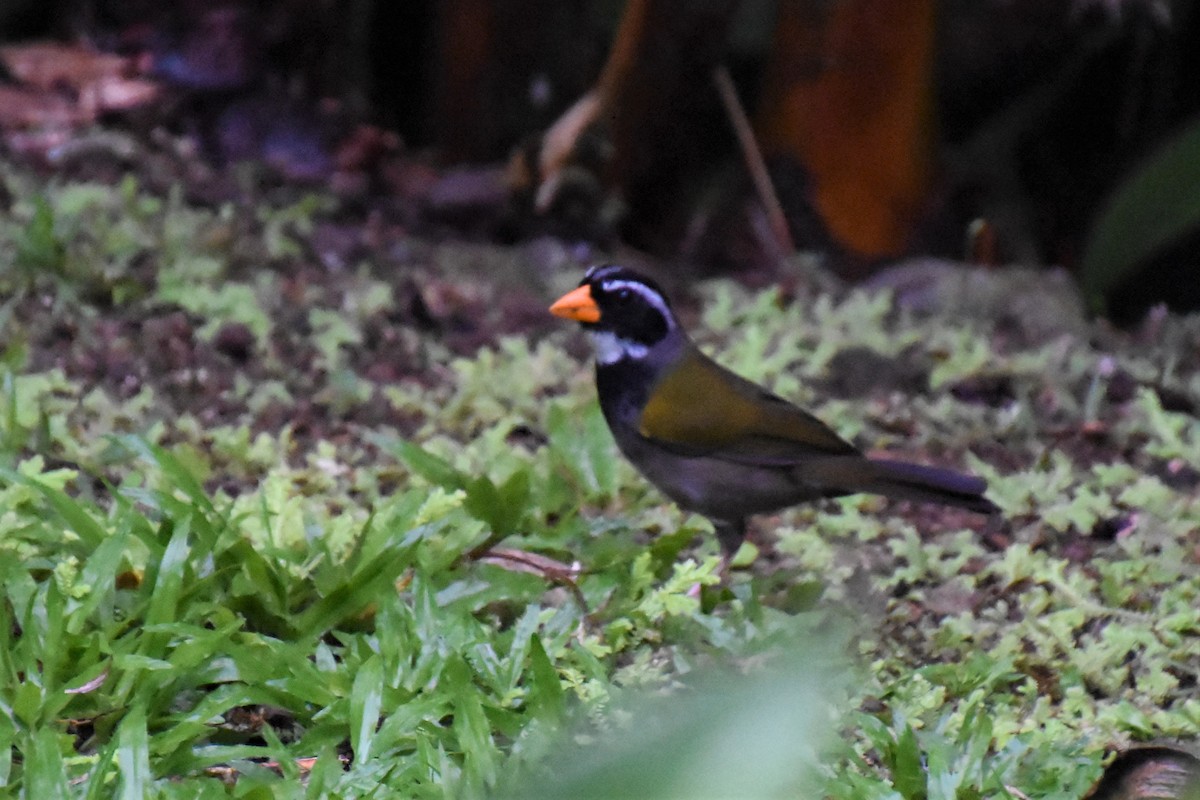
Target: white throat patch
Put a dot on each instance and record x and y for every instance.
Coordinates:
(611, 348)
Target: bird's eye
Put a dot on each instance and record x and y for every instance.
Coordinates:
(624, 294)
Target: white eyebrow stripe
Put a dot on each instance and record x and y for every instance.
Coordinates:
(649, 295)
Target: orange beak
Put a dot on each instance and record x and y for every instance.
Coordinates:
(578, 305)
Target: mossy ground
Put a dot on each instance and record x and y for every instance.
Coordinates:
(240, 469)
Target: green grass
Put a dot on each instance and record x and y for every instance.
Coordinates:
(188, 602)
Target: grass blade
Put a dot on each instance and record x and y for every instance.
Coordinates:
(45, 775)
(366, 700)
(133, 755)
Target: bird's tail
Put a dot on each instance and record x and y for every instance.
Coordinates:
(906, 481)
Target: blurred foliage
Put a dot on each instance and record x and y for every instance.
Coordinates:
(1153, 207)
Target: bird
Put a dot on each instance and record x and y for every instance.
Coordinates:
(712, 441)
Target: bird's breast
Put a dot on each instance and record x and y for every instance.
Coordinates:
(623, 387)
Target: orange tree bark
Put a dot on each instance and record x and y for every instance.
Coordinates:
(848, 94)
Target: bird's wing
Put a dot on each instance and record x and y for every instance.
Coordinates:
(701, 408)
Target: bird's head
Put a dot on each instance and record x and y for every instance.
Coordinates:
(626, 312)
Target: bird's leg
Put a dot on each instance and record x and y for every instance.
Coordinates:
(730, 533)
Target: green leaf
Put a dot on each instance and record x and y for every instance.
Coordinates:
(366, 700)
(98, 785)
(1154, 206)
(40, 249)
(546, 698)
(53, 617)
(432, 468)
(70, 511)
(179, 476)
(8, 735)
(324, 776)
(45, 775)
(169, 576)
(501, 508)
(908, 773)
(99, 575)
(133, 755)
(471, 723)
(581, 445)
(357, 593)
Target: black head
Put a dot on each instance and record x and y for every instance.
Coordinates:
(622, 302)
